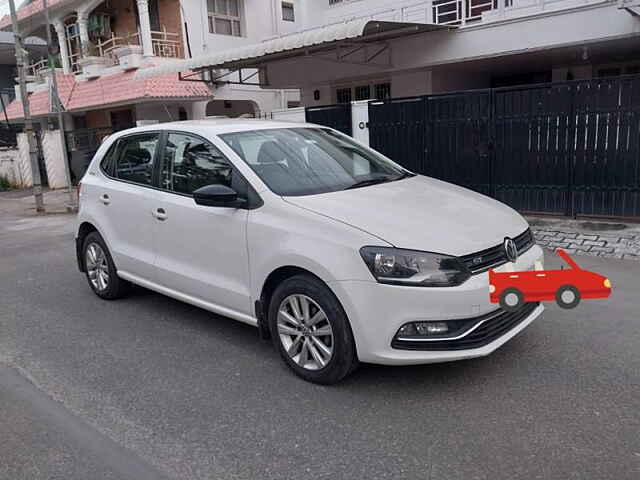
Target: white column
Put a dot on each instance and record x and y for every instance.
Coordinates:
(145, 28)
(64, 48)
(83, 26)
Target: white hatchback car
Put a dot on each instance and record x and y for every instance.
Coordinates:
(334, 251)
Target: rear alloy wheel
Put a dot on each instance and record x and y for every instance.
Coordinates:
(567, 297)
(511, 300)
(311, 331)
(100, 269)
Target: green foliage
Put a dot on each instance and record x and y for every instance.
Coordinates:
(6, 184)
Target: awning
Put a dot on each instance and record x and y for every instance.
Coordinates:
(308, 42)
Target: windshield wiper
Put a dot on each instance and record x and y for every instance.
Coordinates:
(376, 181)
(370, 181)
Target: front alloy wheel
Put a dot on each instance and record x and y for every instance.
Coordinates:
(311, 330)
(305, 332)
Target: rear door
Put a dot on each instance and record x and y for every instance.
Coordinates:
(126, 200)
(201, 251)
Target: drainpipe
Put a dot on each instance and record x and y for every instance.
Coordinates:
(274, 14)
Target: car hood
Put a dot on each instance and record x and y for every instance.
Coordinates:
(421, 213)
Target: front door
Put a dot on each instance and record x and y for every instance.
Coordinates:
(201, 251)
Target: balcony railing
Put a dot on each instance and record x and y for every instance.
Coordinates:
(460, 12)
(106, 49)
(166, 44)
(38, 69)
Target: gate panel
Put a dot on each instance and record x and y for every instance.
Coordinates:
(458, 147)
(532, 130)
(606, 178)
(397, 130)
(334, 116)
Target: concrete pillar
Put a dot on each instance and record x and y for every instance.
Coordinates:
(64, 48)
(145, 28)
(83, 27)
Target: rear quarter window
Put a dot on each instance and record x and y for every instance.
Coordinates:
(109, 159)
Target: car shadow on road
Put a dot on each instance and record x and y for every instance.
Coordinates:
(215, 328)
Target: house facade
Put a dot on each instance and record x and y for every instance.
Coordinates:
(102, 43)
(492, 43)
(480, 44)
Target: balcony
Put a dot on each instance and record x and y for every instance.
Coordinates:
(458, 12)
(116, 50)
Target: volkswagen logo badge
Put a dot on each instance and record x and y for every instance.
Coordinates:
(510, 249)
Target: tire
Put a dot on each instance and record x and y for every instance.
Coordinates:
(511, 299)
(567, 296)
(109, 287)
(300, 334)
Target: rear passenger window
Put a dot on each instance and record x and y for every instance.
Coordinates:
(190, 163)
(135, 158)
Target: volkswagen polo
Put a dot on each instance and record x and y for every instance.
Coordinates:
(332, 250)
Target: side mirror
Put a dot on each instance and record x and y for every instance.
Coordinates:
(217, 196)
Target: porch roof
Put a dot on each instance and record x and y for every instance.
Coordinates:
(111, 90)
(315, 40)
(28, 11)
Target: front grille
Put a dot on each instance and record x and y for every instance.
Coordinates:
(495, 256)
(486, 333)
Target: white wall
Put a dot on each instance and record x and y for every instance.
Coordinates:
(9, 166)
(262, 19)
(24, 161)
(409, 84)
(290, 115)
(162, 112)
(257, 24)
(54, 159)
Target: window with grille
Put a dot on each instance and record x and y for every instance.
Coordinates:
(288, 14)
(343, 95)
(363, 92)
(224, 17)
(383, 91)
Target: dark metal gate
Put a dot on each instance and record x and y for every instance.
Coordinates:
(568, 148)
(334, 116)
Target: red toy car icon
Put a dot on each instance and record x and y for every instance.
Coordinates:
(566, 287)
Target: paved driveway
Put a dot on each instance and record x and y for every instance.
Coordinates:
(148, 387)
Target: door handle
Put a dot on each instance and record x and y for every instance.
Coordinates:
(105, 199)
(160, 214)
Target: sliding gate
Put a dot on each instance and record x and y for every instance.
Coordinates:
(569, 148)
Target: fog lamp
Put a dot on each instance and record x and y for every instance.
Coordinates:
(423, 329)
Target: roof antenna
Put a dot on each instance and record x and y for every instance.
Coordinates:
(168, 112)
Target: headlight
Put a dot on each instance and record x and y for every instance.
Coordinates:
(414, 268)
(607, 283)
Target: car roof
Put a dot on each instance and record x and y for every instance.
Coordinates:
(217, 126)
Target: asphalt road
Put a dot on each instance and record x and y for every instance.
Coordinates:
(148, 387)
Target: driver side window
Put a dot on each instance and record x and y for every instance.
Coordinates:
(190, 163)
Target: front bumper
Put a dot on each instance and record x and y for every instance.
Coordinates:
(376, 312)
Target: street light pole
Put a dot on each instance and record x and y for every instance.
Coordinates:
(24, 97)
(56, 106)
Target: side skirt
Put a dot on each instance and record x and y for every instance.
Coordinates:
(189, 299)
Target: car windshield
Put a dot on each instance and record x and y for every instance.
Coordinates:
(307, 161)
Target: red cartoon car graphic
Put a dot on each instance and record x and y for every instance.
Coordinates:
(567, 287)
